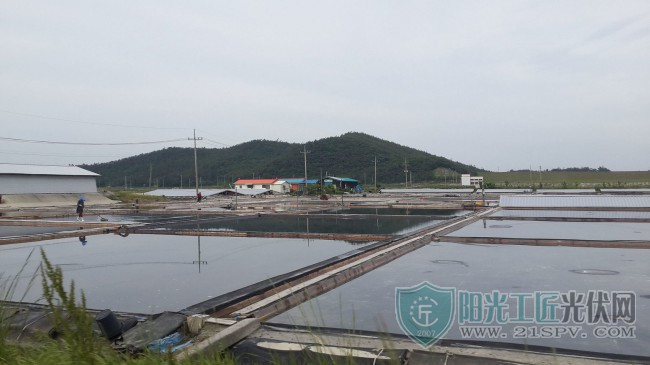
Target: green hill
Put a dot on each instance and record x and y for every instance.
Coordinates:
(349, 155)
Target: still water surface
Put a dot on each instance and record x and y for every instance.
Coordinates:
(368, 302)
(343, 223)
(611, 231)
(152, 273)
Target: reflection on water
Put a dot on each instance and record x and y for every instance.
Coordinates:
(318, 224)
(9, 231)
(399, 211)
(152, 273)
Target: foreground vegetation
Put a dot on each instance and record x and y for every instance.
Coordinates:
(77, 343)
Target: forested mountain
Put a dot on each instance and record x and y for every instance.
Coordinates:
(349, 155)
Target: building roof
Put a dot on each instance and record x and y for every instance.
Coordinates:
(16, 169)
(300, 181)
(255, 181)
(346, 179)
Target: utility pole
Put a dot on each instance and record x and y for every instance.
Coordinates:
(196, 167)
(305, 154)
(150, 169)
(406, 175)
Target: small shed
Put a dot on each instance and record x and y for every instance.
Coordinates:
(340, 182)
(297, 183)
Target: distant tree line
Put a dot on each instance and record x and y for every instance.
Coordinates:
(349, 155)
(582, 169)
(569, 169)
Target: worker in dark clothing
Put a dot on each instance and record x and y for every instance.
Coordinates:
(199, 197)
(80, 208)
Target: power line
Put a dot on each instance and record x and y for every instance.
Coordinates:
(82, 122)
(205, 133)
(215, 142)
(105, 124)
(87, 143)
(56, 154)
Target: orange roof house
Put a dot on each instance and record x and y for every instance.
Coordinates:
(276, 185)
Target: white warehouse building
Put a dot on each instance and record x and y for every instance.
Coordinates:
(46, 179)
(47, 185)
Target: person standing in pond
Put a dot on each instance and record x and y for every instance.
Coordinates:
(80, 208)
(199, 197)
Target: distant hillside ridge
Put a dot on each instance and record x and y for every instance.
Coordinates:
(349, 155)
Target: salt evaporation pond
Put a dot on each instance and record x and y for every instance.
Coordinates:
(608, 231)
(9, 231)
(368, 302)
(571, 214)
(400, 211)
(342, 223)
(153, 273)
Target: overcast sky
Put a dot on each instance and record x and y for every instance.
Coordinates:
(497, 84)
